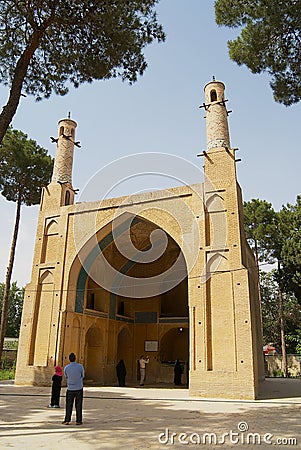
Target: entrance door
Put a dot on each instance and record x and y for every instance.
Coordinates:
(94, 355)
(174, 345)
(125, 351)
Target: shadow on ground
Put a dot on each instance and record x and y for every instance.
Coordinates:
(133, 419)
(275, 388)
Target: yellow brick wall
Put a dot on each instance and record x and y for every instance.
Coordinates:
(206, 223)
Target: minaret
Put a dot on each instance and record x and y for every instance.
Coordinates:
(219, 167)
(42, 312)
(62, 171)
(60, 191)
(216, 115)
(226, 311)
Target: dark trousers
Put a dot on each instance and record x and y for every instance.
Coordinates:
(78, 396)
(55, 395)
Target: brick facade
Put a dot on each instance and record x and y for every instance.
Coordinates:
(210, 319)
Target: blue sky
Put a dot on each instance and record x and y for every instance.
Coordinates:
(160, 113)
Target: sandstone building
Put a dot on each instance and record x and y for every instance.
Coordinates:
(167, 273)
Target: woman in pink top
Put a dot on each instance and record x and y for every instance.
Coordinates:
(56, 387)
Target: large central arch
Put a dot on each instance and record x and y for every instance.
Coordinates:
(131, 326)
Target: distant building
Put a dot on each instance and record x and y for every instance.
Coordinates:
(205, 312)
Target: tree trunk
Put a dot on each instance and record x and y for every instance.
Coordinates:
(282, 332)
(8, 275)
(258, 283)
(9, 110)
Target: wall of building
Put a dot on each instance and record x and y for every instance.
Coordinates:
(274, 365)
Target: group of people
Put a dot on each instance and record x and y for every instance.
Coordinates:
(74, 374)
(141, 371)
(121, 370)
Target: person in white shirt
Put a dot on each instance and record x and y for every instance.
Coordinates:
(142, 366)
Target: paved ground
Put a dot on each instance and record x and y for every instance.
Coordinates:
(151, 418)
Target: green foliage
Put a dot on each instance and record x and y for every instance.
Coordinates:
(269, 307)
(7, 371)
(16, 296)
(276, 237)
(7, 374)
(270, 313)
(24, 168)
(260, 227)
(270, 41)
(74, 41)
(291, 249)
(278, 373)
(295, 340)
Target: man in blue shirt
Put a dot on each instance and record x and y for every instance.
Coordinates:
(74, 374)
